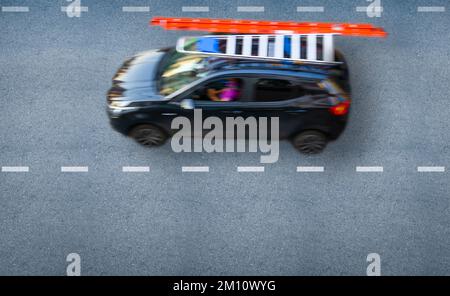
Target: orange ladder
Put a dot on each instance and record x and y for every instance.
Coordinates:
(267, 27)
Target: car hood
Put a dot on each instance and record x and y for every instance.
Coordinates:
(136, 78)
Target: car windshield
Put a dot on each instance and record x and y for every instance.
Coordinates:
(181, 70)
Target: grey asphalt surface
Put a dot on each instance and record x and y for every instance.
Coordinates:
(54, 74)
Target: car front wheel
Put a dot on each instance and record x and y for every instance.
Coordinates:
(310, 142)
(148, 135)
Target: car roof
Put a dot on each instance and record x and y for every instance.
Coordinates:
(268, 72)
(287, 68)
(226, 65)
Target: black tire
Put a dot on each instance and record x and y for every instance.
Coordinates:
(148, 135)
(310, 142)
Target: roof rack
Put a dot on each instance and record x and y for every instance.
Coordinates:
(298, 48)
(304, 42)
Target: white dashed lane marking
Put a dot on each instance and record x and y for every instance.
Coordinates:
(250, 8)
(15, 9)
(195, 8)
(195, 169)
(74, 169)
(361, 8)
(136, 8)
(431, 9)
(243, 169)
(369, 169)
(250, 169)
(15, 169)
(135, 169)
(431, 169)
(310, 9)
(206, 9)
(310, 169)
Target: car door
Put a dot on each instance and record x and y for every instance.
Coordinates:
(281, 97)
(237, 107)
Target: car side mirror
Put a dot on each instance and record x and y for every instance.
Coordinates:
(187, 104)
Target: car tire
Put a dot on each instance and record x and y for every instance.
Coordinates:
(310, 142)
(148, 135)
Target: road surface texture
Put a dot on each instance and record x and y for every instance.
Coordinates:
(55, 71)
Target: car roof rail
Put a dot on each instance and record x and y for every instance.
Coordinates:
(298, 42)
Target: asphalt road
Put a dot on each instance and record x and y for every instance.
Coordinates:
(54, 73)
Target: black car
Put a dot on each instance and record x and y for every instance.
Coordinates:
(311, 100)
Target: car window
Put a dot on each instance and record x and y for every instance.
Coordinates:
(267, 90)
(220, 90)
(271, 90)
(181, 70)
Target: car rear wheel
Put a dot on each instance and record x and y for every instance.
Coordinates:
(310, 142)
(148, 135)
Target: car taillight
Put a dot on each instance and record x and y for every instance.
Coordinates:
(341, 108)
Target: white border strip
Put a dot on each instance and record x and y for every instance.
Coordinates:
(431, 9)
(15, 169)
(250, 8)
(15, 9)
(310, 169)
(135, 8)
(248, 169)
(195, 8)
(74, 169)
(369, 169)
(431, 169)
(195, 169)
(135, 169)
(310, 9)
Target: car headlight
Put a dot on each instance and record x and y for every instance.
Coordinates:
(116, 108)
(119, 104)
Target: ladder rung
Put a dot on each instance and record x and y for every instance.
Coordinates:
(247, 45)
(262, 48)
(279, 46)
(328, 48)
(231, 44)
(295, 47)
(311, 47)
